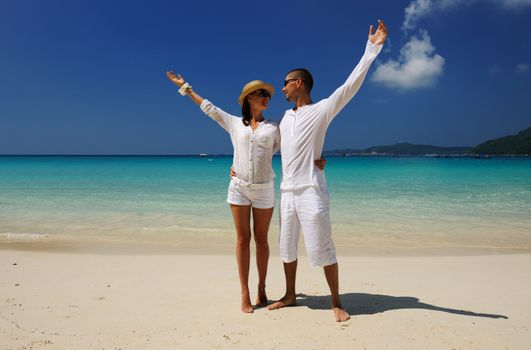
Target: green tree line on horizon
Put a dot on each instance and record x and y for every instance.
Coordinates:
(519, 144)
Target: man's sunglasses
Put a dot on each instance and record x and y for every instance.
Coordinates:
(262, 93)
(286, 82)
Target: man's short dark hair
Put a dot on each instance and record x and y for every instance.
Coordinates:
(305, 75)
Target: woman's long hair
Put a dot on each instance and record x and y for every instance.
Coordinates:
(246, 112)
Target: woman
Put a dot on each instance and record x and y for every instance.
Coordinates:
(251, 190)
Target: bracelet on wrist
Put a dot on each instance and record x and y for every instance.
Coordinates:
(186, 89)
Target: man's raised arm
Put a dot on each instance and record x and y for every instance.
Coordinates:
(339, 98)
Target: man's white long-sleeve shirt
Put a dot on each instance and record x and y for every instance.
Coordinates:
(303, 130)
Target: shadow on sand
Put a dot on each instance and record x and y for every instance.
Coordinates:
(369, 304)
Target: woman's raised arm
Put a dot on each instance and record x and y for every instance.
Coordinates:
(186, 89)
(223, 118)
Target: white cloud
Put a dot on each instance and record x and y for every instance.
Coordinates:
(522, 68)
(414, 11)
(514, 3)
(417, 66)
(418, 9)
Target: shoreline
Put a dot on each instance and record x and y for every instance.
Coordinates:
(211, 245)
(328, 155)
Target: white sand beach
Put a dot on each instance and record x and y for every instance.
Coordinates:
(124, 299)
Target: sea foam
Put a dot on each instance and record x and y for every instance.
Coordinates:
(24, 236)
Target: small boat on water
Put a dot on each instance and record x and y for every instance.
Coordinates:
(481, 156)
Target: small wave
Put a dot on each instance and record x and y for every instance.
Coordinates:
(11, 236)
(184, 228)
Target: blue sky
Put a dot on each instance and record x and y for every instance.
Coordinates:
(88, 77)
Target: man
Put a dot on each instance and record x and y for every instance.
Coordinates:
(304, 201)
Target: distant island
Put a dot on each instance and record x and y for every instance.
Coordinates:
(518, 145)
(403, 148)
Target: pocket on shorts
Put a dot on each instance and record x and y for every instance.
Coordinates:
(232, 183)
(236, 195)
(323, 193)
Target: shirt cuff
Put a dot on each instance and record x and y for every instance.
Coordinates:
(373, 49)
(206, 106)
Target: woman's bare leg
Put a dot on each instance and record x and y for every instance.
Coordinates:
(242, 221)
(261, 221)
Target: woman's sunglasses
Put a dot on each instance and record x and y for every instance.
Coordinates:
(262, 93)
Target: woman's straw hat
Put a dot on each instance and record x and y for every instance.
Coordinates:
(253, 86)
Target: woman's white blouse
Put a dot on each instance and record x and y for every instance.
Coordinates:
(253, 150)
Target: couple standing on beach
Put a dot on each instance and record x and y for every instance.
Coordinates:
(304, 201)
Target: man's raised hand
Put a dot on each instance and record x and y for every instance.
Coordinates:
(378, 38)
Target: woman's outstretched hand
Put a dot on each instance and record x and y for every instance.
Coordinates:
(378, 38)
(176, 79)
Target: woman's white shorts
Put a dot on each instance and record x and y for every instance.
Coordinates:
(306, 210)
(261, 196)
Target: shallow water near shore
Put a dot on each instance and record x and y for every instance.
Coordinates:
(401, 202)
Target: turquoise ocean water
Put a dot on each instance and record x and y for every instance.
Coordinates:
(374, 200)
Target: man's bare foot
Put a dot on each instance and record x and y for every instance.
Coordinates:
(247, 307)
(340, 314)
(285, 301)
(261, 299)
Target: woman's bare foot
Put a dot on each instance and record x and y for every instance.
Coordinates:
(285, 301)
(261, 299)
(247, 307)
(340, 314)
